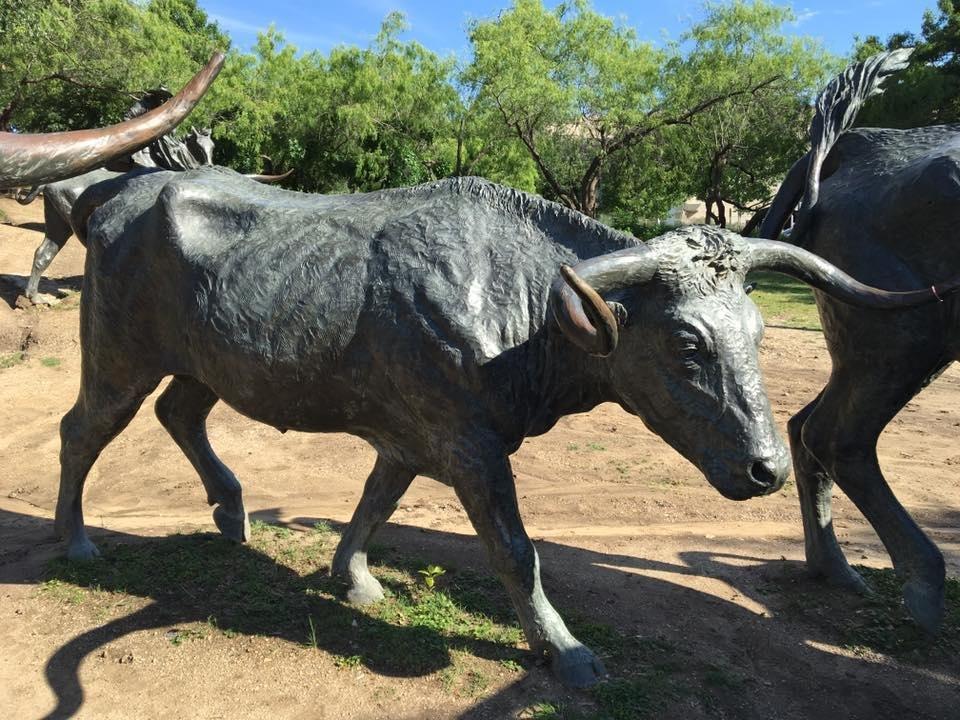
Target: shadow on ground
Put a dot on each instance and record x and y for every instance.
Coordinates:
(12, 286)
(673, 651)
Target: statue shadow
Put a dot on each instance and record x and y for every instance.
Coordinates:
(35, 226)
(235, 589)
(606, 597)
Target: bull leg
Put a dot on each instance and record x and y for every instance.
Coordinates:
(842, 433)
(56, 233)
(100, 413)
(487, 491)
(383, 489)
(182, 409)
(814, 485)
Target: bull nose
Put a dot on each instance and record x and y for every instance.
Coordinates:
(769, 474)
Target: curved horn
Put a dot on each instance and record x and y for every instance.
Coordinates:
(814, 270)
(267, 179)
(580, 311)
(43, 158)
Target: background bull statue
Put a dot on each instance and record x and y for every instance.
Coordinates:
(27, 159)
(435, 323)
(194, 150)
(884, 205)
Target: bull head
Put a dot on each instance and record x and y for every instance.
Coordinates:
(681, 338)
(44, 158)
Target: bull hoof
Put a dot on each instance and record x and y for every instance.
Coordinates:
(43, 299)
(577, 667)
(82, 550)
(925, 603)
(233, 526)
(365, 592)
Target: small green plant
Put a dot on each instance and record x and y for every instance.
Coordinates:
(348, 662)
(8, 360)
(430, 574)
(178, 636)
(50, 362)
(312, 633)
(321, 527)
(541, 711)
(511, 665)
(596, 447)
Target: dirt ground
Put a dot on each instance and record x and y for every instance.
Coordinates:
(629, 533)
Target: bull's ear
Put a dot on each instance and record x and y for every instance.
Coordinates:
(749, 288)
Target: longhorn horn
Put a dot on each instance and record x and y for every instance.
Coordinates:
(575, 296)
(47, 157)
(268, 179)
(812, 269)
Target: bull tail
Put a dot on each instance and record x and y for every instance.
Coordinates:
(30, 196)
(837, 109)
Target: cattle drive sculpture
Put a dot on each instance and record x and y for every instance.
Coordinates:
(434, 322)
(27, 160)
(884, 205)
(194, 150)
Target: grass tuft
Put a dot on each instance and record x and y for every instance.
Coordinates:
(9, 360)
(784, 302)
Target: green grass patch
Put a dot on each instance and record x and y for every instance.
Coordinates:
(784, 302)
(542, 711)
(50, 362)
(883, 624)
(879, 623)
(9, 360)
(279, 586)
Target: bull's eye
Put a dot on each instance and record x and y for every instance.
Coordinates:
(690, 347)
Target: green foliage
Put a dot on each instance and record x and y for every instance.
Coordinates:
(563, 101)
(736, 151)
(618, 128)
(568, 84)
(928, 91)
(79, 63)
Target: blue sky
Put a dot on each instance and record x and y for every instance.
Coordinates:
(441, 25)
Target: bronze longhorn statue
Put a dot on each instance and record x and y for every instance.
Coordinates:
(884, 206)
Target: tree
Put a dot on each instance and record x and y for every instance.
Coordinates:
(736, 150)
(928, 91)
(580, 92)
(80, 63)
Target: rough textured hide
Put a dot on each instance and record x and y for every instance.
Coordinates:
(887, 213)
(420, 320)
